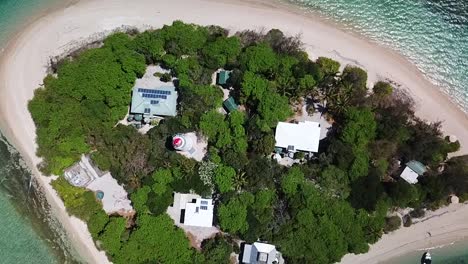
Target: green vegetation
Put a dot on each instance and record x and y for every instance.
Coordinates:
(392, 223)
(314, 212)
(217, 250)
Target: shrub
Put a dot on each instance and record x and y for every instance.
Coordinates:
(299, 155)
(407, 221)
(382, 89)
(166, 77)
(392, 223)
(417, 213)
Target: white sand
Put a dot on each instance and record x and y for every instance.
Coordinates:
(24, 61)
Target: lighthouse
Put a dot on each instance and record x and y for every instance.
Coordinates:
(190, 145)
(182, 143)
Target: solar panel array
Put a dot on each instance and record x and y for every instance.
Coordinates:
(204, 207)
(146, 95)
(204, 202)
(153, 91)
(147, 110)
(154, 102)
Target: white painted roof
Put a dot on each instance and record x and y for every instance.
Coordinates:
(263, 247)
(409, 175)
(81, 174)
(259, 253)
(199, 213)
(303, 136)
(247, 253)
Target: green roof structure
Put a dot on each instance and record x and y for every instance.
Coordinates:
(417, 167)
(160, 101)
(230, 104)
(223, 76)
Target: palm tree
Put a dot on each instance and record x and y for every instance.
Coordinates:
(239, 181)
(339, 97)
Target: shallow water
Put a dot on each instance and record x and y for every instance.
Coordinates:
(29, 233)
(455, 253)
(13, 13)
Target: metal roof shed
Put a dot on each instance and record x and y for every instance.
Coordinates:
(223, 76)
(230, 104)
(160, 101)
(417, 167)
(261, 253)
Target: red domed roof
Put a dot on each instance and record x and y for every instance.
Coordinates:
(177, 141)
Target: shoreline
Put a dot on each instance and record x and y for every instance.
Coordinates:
(23, 65)
(447, 226)
(25, 195)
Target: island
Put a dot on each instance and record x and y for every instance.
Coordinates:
(235, 146)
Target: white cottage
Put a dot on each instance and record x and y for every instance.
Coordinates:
(303, 136)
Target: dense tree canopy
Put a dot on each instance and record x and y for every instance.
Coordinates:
(97, 85)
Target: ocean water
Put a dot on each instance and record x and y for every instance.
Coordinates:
(28, 233)
(14, 13)
(433, 34)
(454, 253)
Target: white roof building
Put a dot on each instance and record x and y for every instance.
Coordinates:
(409, 175)
(194, 210)
(303, 136)
(190, 145)
(261, 253)
(413, 170)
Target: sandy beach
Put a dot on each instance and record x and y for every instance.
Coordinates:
(24, 61)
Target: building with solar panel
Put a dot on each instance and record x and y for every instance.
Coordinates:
(161, 101)
(192, 210)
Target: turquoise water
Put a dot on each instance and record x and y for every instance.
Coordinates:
(14, 13)
(29, 234)
(451, 254)
(19, 242)
(433, 34)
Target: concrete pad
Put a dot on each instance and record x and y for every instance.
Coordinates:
(115, 198)
(199, 147)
